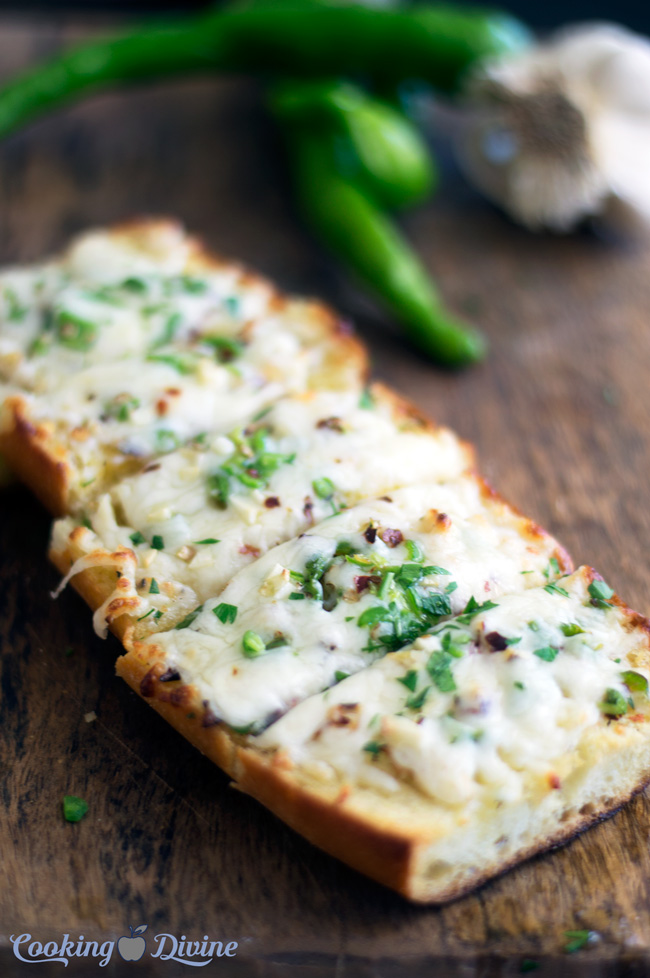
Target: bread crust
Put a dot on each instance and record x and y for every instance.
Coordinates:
(34, 455)
(384, 854)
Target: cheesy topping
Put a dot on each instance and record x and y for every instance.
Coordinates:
(364, 582)
(488, 706)
(219, 503)
(124, 353)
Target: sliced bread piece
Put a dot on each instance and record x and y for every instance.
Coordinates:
(197, 516)
(140, 341)
(363, 583)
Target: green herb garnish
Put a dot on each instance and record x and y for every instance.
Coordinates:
(74, 332)
(635, 681)
(438, 668)
(340, 676)
(207, 540)
(613, 703)
(410, 680)
(157, 542)
(253, 644)
(601, 594)
(226, 613)
(556, 589)
(153, 587)
(548, 653)
(188, 619)
(572, 629)
(137, 538)
(74, 808)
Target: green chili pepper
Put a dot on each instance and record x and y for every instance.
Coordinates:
(379, 149)
(371, 246)
(434, 43)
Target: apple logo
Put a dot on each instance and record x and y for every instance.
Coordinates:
(132, 948)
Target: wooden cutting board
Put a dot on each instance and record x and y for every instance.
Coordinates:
(560, 413)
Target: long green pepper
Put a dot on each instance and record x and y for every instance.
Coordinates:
(433, 43)
(371, 246)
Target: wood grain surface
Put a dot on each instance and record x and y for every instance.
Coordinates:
(560, 413)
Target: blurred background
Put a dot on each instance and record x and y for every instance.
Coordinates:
(551, 13)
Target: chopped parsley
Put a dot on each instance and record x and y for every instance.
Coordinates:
(121, 407)
(578, 939)
(340, 676)
(416, 700)
(601, 594)
(552, 570)
(170, 329)
(153, 587)
(548, 653)
(572, 629)
(439, 669)
(473, 608)
(188, 619)
(366, 401)
(137, 538)
(16, 312)
(226, 613)
(410, 680)
(414, 551)
(74, 808)
(183, 363)
(157, 542)
(373, 747)
(556, 589)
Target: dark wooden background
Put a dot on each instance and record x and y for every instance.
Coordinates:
(560, 413)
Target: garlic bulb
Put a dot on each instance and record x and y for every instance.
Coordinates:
(561, 131)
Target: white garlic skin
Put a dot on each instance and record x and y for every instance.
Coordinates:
(561, 131)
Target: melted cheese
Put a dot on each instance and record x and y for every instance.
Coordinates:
(315, 437)
(125, 351)
(325, 614)
(479, 722)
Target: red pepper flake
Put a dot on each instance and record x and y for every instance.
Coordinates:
(363, 581)
(334, 424)
(386, 499)
(148, 683)
(554, 782)
(174, 391)
(210, 719)
(162, 406)
(443, 521)
(170, 676)
(370, 533)
(248, 549)
(392, 538)
(307, 509)
(271, 502)
(151, 468)
(496, 642)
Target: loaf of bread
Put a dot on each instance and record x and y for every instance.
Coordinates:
(310, 580)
